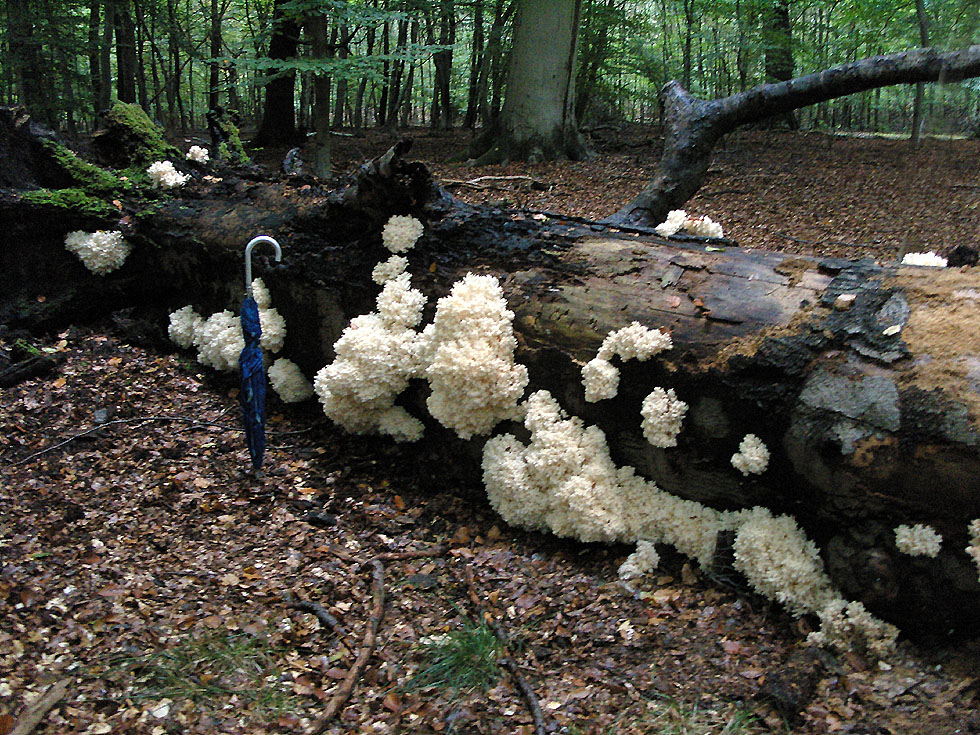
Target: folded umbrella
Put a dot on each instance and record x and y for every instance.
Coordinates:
(252, 394)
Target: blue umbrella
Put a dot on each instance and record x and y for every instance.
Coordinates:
(252, 395)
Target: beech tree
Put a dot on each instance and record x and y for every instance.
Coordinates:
(538, 118)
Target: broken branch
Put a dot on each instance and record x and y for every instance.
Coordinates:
(363, 654)
(31, 717)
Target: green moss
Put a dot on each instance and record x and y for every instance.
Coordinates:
(143, 140)
(76, 200)
(232, 150)
(87, 176)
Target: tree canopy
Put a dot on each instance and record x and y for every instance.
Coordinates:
(405, 62)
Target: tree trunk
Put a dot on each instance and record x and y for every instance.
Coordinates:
(693, 126)
(25, 60)
(278, 124)
(316, 24)
(125, 52)
(871, 414)
(538, 119)
(476, 58)
(920, 90)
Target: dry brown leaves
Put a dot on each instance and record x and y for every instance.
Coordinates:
(133, 541)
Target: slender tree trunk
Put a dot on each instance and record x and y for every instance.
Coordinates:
(688, 39)
(395, 80)
(693, 125)
(920, 89)
(358, 118)
(316, 25)
(125, 52)
(141, 90)
(214, 36)
(443, 60)
(94, 72)
(476, 59)
(381, 111)
(340, 104)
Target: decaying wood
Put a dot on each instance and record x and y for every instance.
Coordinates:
(693, 126)
(32, 715)
(343, 693)
(482, 183)
(868, 426)
(327, 620)
(507, 662)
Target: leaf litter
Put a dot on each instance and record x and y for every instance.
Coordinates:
(146, 565)
(142, 552)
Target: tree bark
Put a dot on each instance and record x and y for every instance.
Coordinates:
(693, 126)
(278, 124)
(920, 90)
(537, 122)
(871, 413)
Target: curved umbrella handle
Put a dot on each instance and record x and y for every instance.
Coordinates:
(248, 258)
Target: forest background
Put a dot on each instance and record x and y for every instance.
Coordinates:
(278, 64)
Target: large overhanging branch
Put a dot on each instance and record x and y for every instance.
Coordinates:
(694, 126)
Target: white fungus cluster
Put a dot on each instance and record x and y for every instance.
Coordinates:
(198, 154)
(376, 356)
(470, 358)
(930, 259)
(663, 413)
(600, 377)
(848, 626)
(219, 341)
(388, 269)
(165, 176)
(101, 252)
(184, 324)
(918, 540)
(752, 456)
(780, 562)
(564, 480)
(678, 219)
(400, 233)
(642, 561)
(288, 381)
(974, 548)
(218, 338)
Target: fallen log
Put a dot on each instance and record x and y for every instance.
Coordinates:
(870, 412)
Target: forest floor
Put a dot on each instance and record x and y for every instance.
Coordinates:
(144, 567)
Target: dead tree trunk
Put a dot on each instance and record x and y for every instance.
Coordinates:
(693, 126)
(871, 412)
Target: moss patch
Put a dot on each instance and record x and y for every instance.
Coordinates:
(130, 138)
(76, 200)
(87, 176)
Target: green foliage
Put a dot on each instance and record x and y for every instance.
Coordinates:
(233, 150)
(211, 669)
(460, 661)
(76, 201)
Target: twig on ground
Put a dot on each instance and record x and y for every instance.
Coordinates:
(33, 714)
(482, 183)
(363, 654)
(414, 553)
(530, 698)
(135, 419)
(323, 615)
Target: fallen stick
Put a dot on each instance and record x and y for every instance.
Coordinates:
(530, 698)
(363, 654)
(31, 717)
(414, 553)
(322, 614)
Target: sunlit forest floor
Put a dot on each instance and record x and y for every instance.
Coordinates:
(838, 195)
(142, 564)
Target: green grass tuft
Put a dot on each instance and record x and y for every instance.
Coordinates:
(211, 669)
(461, 661)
